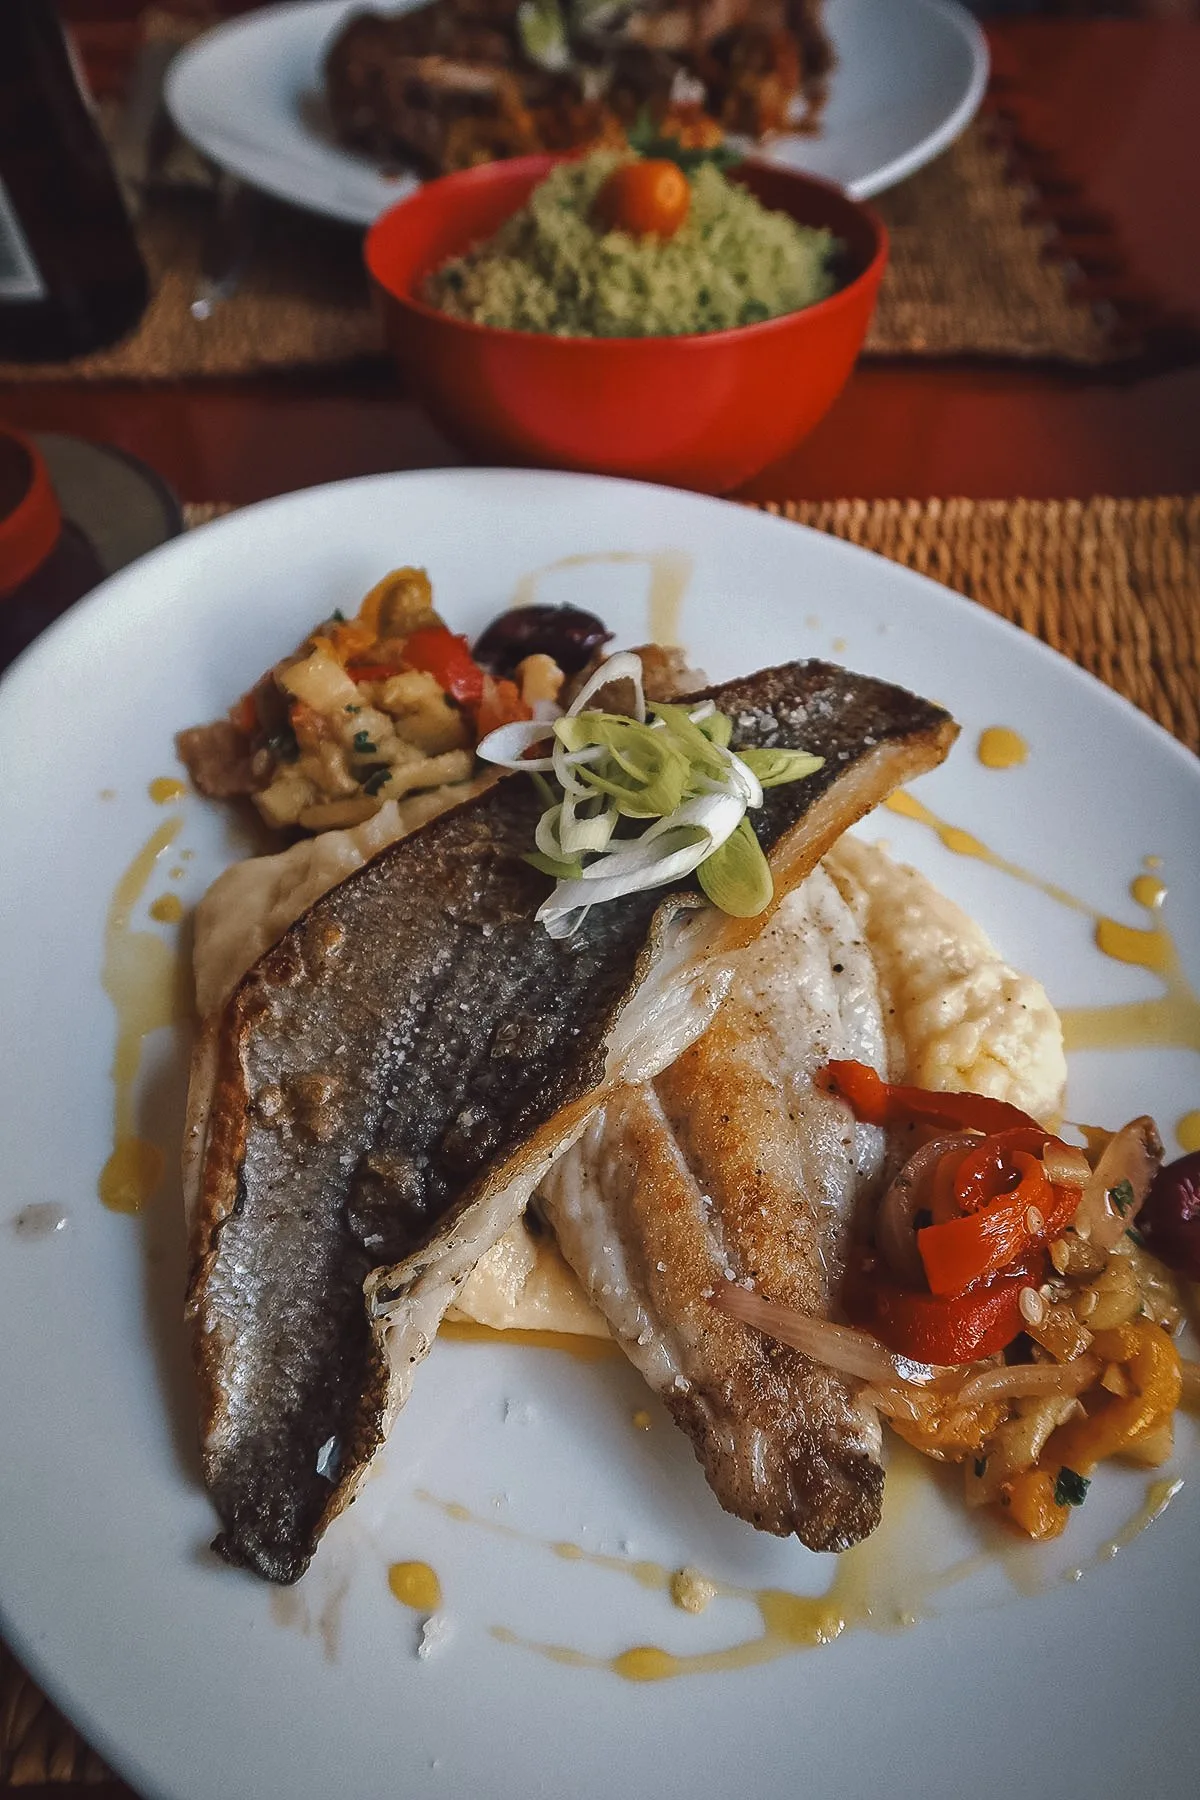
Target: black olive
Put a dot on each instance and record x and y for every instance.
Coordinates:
(571, 636)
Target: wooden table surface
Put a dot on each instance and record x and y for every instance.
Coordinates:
(1115, 103)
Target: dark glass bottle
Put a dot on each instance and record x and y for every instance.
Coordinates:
(71, 276)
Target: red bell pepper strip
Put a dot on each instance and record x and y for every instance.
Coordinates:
(989, 1171)
(879, 1102)
(447, 657)
(981, 1243)
(939, 1328)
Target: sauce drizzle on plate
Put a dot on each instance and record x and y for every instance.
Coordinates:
(670, 572)
(1001, 748)
(142, 977)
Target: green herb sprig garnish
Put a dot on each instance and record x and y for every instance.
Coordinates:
(648, 141)
(1070, 1489)
(643, 799)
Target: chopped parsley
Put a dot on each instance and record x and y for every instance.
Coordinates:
(376, 779)
(1135, 1236)
(980, 1467)
(1122, 1196)
(338, 616)
(645, 138)
(1070, 1489)
(363, 745)
(352, 709)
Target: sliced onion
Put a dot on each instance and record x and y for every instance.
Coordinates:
(895, 1231)
(579, 836)
(508, 743)
(1066, 1165)
(897, 1401)
(744, 778)
(836, 1346)
(624, 666)
(1019, 1381)
(593, 890)
(1132, 1155)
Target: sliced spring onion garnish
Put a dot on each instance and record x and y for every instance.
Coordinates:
(603, 775)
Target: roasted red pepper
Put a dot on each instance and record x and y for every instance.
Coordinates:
(879, 1102)
(980, 1243)
(983, 1242)
(990, 1171)
(447, 657)
(938, 1328)
(994, 1211)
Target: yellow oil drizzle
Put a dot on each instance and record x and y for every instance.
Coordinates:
(142, 978)
(875, 1586)
(879, 1585)
(164, 789)
(642, 1420)
(1000, 748)
(1188, 1131)
(965, 843)
(167, 909)
(1171, 1019)
(1159, 1495)
(584, 1349)
(670, 572)
(415, 1584)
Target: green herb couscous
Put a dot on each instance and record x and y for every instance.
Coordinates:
(549, 269)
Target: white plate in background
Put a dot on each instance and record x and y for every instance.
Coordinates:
(910, 76)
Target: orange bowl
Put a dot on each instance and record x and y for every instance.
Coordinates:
(706, 411)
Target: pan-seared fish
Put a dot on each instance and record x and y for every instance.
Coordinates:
(732, 1165)
(378, 1098)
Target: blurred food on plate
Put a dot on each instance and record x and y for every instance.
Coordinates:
(460, 82)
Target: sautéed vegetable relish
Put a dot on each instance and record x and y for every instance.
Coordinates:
(1007, 1314)
(385, 706)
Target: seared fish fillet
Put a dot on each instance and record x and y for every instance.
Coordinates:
(377, 1100)
(732, 1165)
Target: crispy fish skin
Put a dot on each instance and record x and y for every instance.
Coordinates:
(735, 1165)
(388, 1083)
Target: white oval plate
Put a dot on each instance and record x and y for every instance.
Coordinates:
(911, 75)
(195, 1680)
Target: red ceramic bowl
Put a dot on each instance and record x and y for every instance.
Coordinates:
(706, 411)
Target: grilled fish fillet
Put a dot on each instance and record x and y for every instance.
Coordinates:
(384, 1089)
(733, 1165)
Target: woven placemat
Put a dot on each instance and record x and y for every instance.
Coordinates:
(1113, 584)
(973, 271)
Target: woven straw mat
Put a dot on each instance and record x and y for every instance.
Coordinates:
(971, 273)
(1113, 584)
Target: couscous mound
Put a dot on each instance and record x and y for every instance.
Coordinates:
(550, 269)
